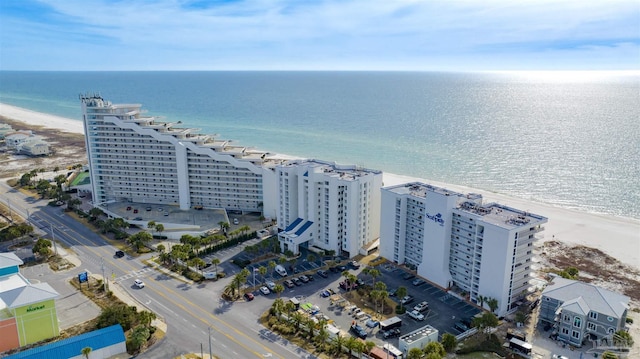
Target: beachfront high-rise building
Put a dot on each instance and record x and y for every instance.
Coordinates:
(453, 239)
(137, 158)
(322, 205)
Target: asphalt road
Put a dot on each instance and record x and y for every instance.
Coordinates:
(190, 311)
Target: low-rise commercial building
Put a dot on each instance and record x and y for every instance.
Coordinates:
(27, 311)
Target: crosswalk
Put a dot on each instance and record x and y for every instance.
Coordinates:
(134, 274)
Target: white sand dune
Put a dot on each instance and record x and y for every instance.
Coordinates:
(616, 236)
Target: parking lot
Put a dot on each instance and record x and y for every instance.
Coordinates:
(443, 313)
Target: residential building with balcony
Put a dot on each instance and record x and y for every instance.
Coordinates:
(454, 240)
(325, 206)
(580, 311)
(140, 159)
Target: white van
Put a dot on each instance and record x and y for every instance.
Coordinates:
(280, 270)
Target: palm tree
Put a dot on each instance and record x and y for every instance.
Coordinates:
(272, 267)
(279, 288)
(322, 335)
(414, 353)
(481, 299)
(492, 303)
(297, 318)
(350, 344)
(374, 273)
(151, 225)
(277, 307)
(263, 271)
(369, 345)
(337, 343)
(86, 351)
(215, 262)
(310, 325)
(401, 292)
(159, 228)
(311, 257)
(383, 298)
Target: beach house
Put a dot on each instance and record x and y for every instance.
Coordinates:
(579, 311)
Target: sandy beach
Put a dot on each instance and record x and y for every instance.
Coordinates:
(616, 236)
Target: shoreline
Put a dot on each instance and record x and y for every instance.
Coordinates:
(617, 236)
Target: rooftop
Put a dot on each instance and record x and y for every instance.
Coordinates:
(419, 334)
(501, 215)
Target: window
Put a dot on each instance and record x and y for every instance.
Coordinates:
(565, 331)
(610, 319)
(591, 326)
(593, 315)
(566, 318)
(575, 334)
(577, 322)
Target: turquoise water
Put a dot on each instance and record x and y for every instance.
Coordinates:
(572, 142)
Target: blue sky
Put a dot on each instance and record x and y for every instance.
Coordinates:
(319, 35)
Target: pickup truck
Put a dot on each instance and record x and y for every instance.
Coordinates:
(416, 315)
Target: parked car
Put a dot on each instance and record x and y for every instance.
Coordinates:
(354, 264)
(288, 283)
(416, 315)
(235, 221)
(372, 323)
(248, 296)
(323, 273)
(558, 356)
(304, 279)
(129, 208)
(392, 292)
(417, 282)
(391, 333)
(296, 281)
(119, 254)
(358, 331)
(342, 269)
(271, 285)
(461, 326)
(148, 208)
(422, 306)
(407, 299)
(408, 276)
(264, 290)
(311, 277)
(138, 283)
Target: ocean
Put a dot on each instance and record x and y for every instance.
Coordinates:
(566, 139)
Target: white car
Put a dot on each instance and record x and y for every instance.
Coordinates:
(264, 290)
(422, 306)
(138, 283)
(558, 356)
(416, 315)
(271, 285)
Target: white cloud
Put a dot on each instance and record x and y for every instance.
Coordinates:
(333, 34)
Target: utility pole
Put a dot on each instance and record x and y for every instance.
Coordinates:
(210, 353)
(104, 278)
(53, 239)
(10, 215)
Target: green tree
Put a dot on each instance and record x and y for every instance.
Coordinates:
(42, 248)
(609, 355)
(42, 187)
(137, 338)
(151, 225)
(311, 257)
(435, 347)
(623, 339)
(374, 273)
(272, 267)
(161, 248)
(414, 353)
(297, 318)
(73, 203)
(487, 320)
(449, 342)
(86, 351)
(369, 345)
(139, 240)
(481, 299)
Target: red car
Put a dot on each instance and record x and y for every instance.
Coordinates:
(248, 296)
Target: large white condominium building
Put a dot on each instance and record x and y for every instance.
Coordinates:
(453, 239)
(328, 206)
(140, 159)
